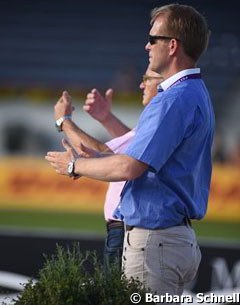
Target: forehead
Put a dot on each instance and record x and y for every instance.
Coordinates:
(159, 25)
(151, 73)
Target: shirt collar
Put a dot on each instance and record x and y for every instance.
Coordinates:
(171, 80)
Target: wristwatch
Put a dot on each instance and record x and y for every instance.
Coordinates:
(71, 167)
(60, 121)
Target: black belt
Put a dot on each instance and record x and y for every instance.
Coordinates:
(114, 224)
(185, 222)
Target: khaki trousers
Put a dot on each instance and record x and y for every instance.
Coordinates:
(163, 260)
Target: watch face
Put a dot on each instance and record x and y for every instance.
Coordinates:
(70, 168)
(59, 122)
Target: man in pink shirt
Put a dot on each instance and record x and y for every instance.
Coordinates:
(99, 108)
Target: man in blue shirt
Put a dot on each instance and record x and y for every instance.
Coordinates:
(175, 142)
(168, 164)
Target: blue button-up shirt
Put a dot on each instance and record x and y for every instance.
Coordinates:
(174, 137)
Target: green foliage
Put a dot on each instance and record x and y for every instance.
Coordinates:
(64, 281)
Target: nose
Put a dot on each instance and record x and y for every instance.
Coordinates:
(147, 46)
(142, 85)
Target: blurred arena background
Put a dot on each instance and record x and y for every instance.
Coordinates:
(51, 46)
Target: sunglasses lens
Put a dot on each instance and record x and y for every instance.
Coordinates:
(151, 40)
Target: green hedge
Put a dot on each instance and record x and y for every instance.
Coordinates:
(64, 281)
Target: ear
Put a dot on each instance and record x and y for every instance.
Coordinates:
(173, 46)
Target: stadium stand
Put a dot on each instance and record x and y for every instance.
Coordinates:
(54, 43)
(85, 44)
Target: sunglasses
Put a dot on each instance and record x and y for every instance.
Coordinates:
(153, 39)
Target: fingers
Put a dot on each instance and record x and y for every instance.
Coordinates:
(51, 162)
(60, 100)
(84, 148)
(90, 101)
(50, 157)
(80, 149)
(73, 151)
(66, 97)
(93, 99)
(63, 106)
(84, 151)
(66, 94)
(109, 95)
(53, 156)
(87, 152)
(97, 105)
(86, 108)
(59, 166)
(66, 144)
(93, 94)
(95, 91)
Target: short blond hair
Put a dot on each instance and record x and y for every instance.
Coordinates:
(186, 24)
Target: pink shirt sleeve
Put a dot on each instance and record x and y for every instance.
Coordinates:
(117, 145)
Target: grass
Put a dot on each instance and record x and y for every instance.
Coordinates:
(95, 223)
(53, 220)
(225, 230)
